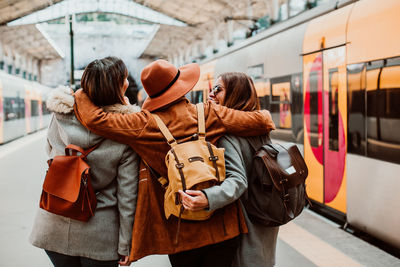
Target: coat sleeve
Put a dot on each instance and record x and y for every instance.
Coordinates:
(127, 186)
(114, 126)
(243, 123)
(235, 182)
(54, 145)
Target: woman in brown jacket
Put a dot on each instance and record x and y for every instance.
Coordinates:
(166, 86)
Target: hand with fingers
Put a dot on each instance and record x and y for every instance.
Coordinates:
(194, 200)
(124, 261)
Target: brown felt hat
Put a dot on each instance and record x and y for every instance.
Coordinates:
(164, 83)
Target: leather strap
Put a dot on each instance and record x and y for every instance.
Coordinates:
(200, 120)
(88, 151)
(179, 166)
(214, 159)
(163, 128)
(84, 153)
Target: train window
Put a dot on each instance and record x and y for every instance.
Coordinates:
(262, 88)
(280, 92)
(11, 108)
(356, 108)
(314, 109)
(45, 111)
(374, 110)
(383, 113)
(196, 96)
(297, 107)
(21, 108)
(333, 110)
(34, 108)
(1, 65)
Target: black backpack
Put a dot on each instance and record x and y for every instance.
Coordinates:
(276, 191)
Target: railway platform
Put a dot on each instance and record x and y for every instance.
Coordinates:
(311, 240)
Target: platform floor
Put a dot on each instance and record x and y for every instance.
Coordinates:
(310, 240)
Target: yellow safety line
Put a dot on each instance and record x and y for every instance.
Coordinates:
(313, 248)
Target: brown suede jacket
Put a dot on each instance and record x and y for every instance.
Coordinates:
(140, 130)
(153, 233)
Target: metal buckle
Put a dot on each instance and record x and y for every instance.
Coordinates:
(286, 198)
(84, 181)
(179, 165)
(283, 181)
(171, 142)
(215, 158)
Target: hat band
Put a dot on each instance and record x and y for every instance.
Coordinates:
(168, 86)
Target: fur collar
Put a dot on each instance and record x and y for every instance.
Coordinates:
(61, 100)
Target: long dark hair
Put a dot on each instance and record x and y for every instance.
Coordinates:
(103, 80)
(240, 92)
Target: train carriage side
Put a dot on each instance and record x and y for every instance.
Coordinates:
(351, 79)
(373, 71)
(22, 107)
(14, 111)
(275, 64)
(325, 116)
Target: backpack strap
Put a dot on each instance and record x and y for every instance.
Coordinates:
(89, 150)
(163, 128)
(257, 142)
(201, 121)
(74, 149)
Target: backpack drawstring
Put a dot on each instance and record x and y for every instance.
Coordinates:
(179, 225)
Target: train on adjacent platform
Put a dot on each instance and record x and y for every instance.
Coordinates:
(331, 79)
(22, 107)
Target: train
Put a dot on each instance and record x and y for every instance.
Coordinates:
(22, 107)
(330, 77)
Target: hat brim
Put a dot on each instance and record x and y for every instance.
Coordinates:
(188, 77)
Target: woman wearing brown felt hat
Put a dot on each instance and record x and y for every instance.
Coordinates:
(200, 243)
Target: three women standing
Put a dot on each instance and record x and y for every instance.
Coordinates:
(115, 166)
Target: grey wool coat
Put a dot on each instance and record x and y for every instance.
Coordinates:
(114, 169)
(257, 248)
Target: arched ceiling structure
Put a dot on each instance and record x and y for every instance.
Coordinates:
(14, 9)
(30, 40)
(190, 21)
(206, 21)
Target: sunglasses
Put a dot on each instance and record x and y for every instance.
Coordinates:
(216, 89)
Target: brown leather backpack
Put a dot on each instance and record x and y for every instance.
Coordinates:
(276, 191)
(67, 188)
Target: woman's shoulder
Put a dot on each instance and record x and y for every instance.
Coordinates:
(237, 141)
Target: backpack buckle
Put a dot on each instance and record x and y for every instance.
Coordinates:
(283, 181)
(179, 165)
(213, 158)
(286, 198)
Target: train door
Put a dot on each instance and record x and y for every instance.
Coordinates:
(325, 119)
(335, 127)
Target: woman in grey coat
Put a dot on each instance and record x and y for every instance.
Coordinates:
(106, 237)
(257, 248)
(236, 90)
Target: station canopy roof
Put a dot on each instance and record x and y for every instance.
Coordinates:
(31, 40)
(201, 17)
(14, 9)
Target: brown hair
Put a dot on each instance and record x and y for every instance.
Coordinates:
(240, 92)
(103, 80)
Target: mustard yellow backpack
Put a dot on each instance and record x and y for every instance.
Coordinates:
(191, 165)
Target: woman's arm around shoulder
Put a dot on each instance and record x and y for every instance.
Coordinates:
(242, 123)
(127, 186)
(116, 126)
